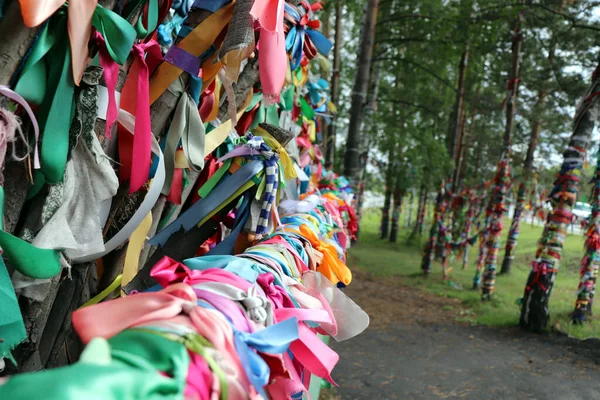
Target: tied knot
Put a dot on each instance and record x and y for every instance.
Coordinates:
(255, 306)
(257, 145)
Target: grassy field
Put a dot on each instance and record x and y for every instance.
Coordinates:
(382, 258)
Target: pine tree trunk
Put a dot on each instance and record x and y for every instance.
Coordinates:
(534, 306)
(396, 209)
(422, 211)
(335, 84)
(428, 251)
(418, 227)
(385, 211)
(454, 134)
(359, 92)
(408, 220)
(591, 259)
(493, 242)
(513, 233)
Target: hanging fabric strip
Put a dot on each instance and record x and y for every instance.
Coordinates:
(206, 207)
(195, 43)
(134, 99)
(128, 122)
(188, 128)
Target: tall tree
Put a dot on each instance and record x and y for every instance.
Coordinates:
(503, 171)
(361, 85)
(330, 134)
(387, 201)
(534, 305)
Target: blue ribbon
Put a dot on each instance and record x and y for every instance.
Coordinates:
(226, 246)
(204, 207)
(275, 339)
(242, 267)
(210, 5)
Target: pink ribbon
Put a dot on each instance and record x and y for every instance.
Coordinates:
(142, 142)
(168, 271)
(276, 294)
(272, 57)
(6, 91)
(111, 74)
(109, 318)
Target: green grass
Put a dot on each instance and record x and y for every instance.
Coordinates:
(382, 258)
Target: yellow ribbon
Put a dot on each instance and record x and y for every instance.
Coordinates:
(218, 135)
(286, 162)
(134, 249)
(196, 42)
(104, 294)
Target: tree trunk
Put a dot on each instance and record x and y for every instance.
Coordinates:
(411, 201)
(513, 233)
(428, 252)
(470, 219)
(422, 203)
(422, 211)
(396, 208)
(359, 92)
(534, 306)
(493, 242)
(591, 258)
(455, 132)
(50, 339)
(335, 85)
(385, 211)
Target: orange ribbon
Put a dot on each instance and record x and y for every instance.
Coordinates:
(79, 25)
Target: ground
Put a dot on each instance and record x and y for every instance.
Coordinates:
(416, 349)
(432, 340)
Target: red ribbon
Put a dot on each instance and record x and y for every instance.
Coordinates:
(135, 99)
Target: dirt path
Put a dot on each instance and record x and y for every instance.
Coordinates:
(415, 350)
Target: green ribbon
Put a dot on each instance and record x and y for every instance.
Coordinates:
(210, 184)
(124, 367)
(306, 109)
(47, 80)
(133, 7)
(30, 261)
(12, 329)
(286, 99)
(117, 32)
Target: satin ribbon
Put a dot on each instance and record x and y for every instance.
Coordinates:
(135, 100)
(11, 321)
(109, 372)
(188, 128)
(258, 308)
(208, 206)
(210, 5)
(275, 339)
(296, 40)
(195, 43)
(134, 249)
(108, 319)
(82, 14)
(243, 268)
(272, 57)
(79, 25)
(50, 85)
(284, 157)
(168, 271)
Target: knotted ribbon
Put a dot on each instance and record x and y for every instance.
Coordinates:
(301, 26)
